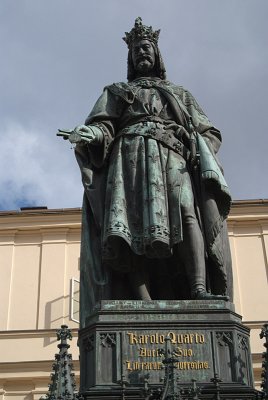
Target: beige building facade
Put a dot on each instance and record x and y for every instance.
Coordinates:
(39, 289)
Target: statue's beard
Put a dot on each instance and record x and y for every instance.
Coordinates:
(145, 65)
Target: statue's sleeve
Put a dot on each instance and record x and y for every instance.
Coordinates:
(105, 115)
(203, 126)
(214, 200)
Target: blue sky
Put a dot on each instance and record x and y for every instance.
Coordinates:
(57, 55)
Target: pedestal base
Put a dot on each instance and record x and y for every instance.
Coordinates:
(119, 349)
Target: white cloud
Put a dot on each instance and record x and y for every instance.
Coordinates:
(37, 169)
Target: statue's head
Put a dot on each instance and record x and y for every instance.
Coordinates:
(144, 58)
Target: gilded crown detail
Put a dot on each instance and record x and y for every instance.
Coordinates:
(139, 32)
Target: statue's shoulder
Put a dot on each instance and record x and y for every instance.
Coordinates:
(118, 86)
(176, 89)
(186, 97)
(121, 89)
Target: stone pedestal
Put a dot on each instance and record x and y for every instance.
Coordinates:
(120, 347)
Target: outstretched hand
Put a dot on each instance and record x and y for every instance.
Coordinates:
(81, 133)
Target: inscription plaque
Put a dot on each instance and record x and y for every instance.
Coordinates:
(142, 356)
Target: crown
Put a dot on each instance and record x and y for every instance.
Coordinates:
(140, 32)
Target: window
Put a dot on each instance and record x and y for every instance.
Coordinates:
(75, 291)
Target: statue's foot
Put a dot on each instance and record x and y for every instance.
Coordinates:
(204, 295)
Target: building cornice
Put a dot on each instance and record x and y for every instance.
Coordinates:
(42, 220)
(65, 218)
(248, 212)
(32, 333)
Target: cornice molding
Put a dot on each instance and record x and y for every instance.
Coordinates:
(249, 208)
(36, 221)
(40, 333)
(40, 219)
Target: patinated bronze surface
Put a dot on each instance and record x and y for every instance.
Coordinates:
(155, 199)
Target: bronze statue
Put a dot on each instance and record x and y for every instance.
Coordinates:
(155, 204)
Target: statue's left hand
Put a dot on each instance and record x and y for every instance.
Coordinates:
(188, 139)
(179, 132)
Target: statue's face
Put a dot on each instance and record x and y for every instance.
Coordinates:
(143, 56)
